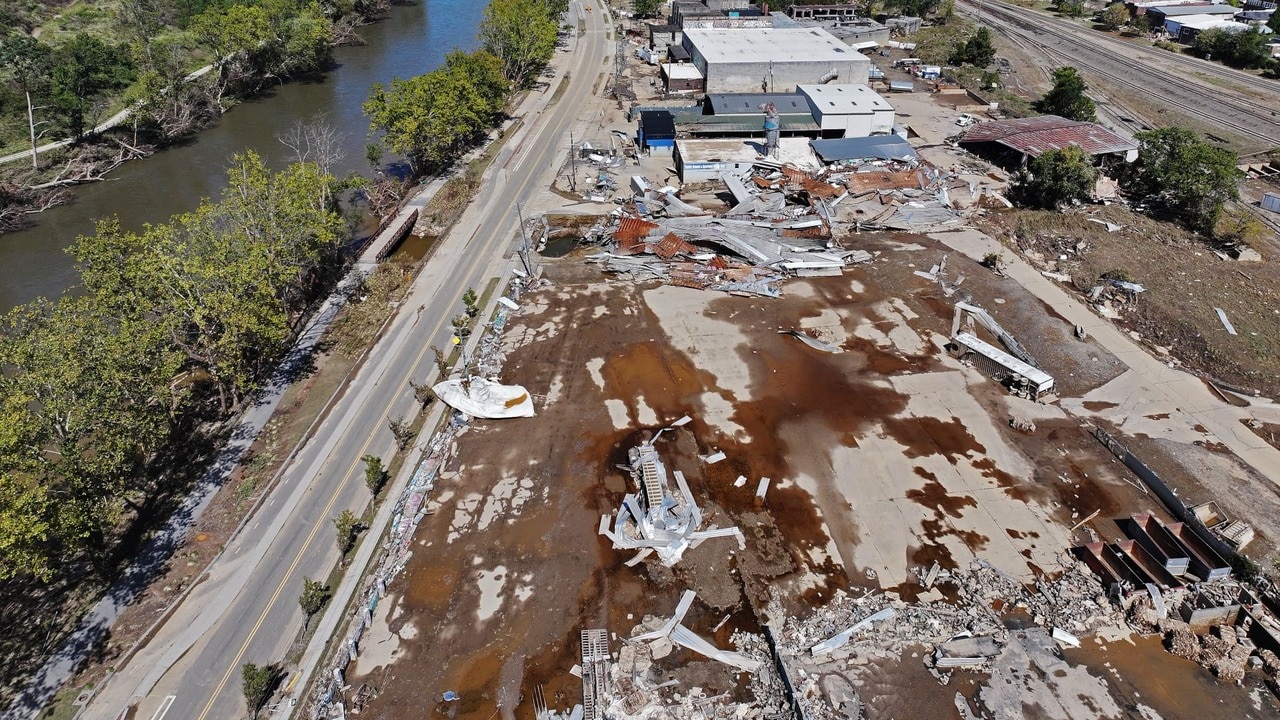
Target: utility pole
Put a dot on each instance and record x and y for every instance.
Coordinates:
(524, 241)
(573, 164)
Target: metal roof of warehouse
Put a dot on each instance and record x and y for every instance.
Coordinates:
(740, 124)
(1176, 10)
(1035, 135)
(749, 103)
(881, 147)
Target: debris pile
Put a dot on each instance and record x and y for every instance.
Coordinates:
(655, 520)
(641, 690)
(1222, 650)
(964, 631)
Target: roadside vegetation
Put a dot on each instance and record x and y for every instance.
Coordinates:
(433, 119)
(107, 391)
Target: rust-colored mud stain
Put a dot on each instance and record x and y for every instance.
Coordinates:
(1143, 672)
(921, 436)
(935, 497)
(1098, 405)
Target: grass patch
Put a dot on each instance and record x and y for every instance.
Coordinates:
(560, 89)
(934, 44)
(1184, 282)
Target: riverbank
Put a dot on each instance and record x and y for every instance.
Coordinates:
(412, 40)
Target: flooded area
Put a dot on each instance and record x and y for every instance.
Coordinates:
(879, 461)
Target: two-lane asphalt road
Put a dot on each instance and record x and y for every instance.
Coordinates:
(246, 610)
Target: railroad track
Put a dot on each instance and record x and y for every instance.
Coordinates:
(1082, 48)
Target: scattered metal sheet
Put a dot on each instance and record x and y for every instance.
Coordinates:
(762, 488)
(812, 342)
(685, 637)
(1222, 315)
(840, 639)
(714, 457)
(1066, 638)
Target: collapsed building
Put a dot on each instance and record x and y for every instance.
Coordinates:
(654, 520)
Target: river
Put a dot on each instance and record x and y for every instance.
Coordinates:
(412, 39)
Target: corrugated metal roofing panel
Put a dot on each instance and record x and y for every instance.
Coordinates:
(883, 147)
(1035, 135)
(749, 103)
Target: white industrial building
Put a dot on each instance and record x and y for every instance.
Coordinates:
(699, 160)
(772, 59)
(848, 110)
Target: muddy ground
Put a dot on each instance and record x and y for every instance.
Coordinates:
(883, 458)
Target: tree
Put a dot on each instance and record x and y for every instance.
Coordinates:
(1241, 227)
(1071, 8)
(84, 69)
(423, 393)
(432, 118)
(482, 71)
(915, 8)
(1273, 23)
(1054, 178)
(1115, 16)
(522, 34)
(469, 300)
(1239, 49)
(231, 37)
(313, 598)
(375, 475)
(28, 62)
(258, 683)
(229, 283)
(1067, 98)
(84, 408)
(978, 50)
(402, 431)
(346, 526)
(646, 8)
(1183, 175)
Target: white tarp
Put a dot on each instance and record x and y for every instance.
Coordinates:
(485, 399)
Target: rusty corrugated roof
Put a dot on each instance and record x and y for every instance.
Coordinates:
(672, 245)
(1035, 135)
(631, 229)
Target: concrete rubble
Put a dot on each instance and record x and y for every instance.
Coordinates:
(963, 630)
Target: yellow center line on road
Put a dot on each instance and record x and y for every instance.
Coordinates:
(275, 596)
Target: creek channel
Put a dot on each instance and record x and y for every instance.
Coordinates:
(411, 40)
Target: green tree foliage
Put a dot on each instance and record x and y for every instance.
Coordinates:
(1238, 49)
(522, 34)
(1115, 16)
(83, 71)
(346, 527)
(1181, 174)
(228, 282)
(258, 682)
(433, 118)
(916, 8)
(1273, 23)
(168, 321)
(28, 62)
(646, 8)
(375, 475)
(1066, 98)
(86, 401)
(1055, 178)
(313, 598)
(978, 50)
(1072, 8)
